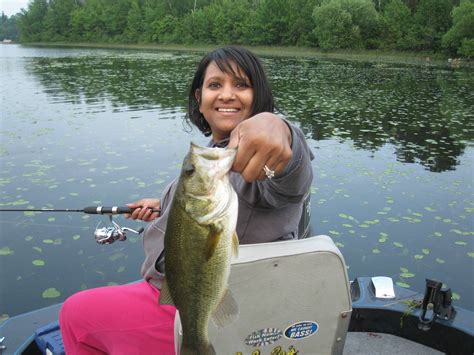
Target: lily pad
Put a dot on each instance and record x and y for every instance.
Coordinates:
(51, 293)
(38, 262)
(402, 284)
(3, 317)
(6, 251)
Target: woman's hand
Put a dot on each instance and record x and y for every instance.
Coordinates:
(262, 140)
(143, 209)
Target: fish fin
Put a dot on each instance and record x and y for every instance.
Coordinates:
(212, 240)
(227, 311)
(235, 245)
(207, 349)
(165, 295)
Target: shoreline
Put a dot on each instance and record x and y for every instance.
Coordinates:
(377, 56)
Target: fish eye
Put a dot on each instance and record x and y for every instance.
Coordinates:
(189, 169)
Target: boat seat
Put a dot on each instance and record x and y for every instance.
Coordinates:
(293, 297)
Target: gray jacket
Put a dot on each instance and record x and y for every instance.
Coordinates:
(269, 210)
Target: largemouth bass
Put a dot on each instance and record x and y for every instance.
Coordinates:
(200, 240)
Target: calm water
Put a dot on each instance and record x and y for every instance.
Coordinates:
(393, 184)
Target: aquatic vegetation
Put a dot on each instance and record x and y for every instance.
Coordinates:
(6, 251)
(38, 262)
(51, 293)
(393, 162)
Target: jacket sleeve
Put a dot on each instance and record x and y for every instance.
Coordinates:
(154, 240)
(292, 185)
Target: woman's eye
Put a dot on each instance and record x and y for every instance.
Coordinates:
(214, 85)
(242, 84)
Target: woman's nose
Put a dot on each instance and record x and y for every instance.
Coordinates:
(227, 93)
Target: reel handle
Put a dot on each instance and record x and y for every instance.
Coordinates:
(111, 210)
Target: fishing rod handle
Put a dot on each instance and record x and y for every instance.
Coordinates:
(111, 210)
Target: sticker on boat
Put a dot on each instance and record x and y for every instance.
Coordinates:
(301, 330)
(264, 337)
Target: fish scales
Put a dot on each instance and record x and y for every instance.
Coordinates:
(199, 242)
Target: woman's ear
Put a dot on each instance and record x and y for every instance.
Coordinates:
(197, 96)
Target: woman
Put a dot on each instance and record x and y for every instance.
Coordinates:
(231, 100)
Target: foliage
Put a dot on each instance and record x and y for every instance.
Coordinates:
(397, 23)
(327, 24)
(460, 38)
(346, 24)
(433, 19)
(31, 23)
(8, 28)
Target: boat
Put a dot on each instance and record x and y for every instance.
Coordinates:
(324, 312)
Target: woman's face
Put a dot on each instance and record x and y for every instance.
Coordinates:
(224, 100)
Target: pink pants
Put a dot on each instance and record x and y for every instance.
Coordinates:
(117, 320)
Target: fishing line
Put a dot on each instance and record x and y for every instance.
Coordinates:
(103, 235)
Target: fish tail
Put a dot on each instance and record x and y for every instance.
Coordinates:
(203, 349)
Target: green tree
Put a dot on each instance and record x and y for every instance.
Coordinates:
(135, 27)
(271, 22)
(432, 21)
(334, 28)
(301, 23)
(31, 21)
(8, 29)
(115, 17)
(87, 21)
(236, 31)
(58, 19)
(397, 23)
(347, 24)
(460, 37)
(197, 27)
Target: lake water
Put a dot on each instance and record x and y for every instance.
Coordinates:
(393, 168)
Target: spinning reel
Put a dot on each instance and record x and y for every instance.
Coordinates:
(109, 234)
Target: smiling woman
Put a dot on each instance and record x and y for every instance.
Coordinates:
(393, 172)
(224, 100)
(230, 99)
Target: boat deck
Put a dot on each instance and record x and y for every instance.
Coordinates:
(377, 343)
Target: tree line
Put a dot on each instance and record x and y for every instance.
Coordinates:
(440, 26)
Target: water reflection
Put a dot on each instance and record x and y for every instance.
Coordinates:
(425, 113)
(128, 83)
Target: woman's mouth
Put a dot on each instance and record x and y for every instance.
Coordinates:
(219, 109)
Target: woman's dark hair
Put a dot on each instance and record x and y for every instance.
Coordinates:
(249, 64)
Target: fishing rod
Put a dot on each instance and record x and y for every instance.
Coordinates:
(89, 210)
(103, 235)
